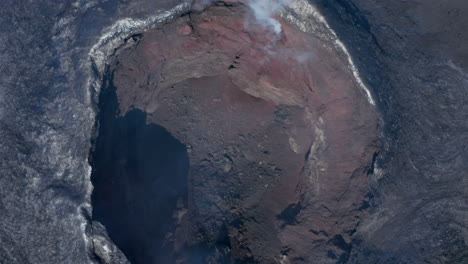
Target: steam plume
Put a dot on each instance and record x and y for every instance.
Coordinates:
(264, 11)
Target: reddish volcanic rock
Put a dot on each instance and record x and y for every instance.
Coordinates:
(279, 133)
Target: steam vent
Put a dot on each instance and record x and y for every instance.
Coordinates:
(234, 132)
(223, 140)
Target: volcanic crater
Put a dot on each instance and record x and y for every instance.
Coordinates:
(223, 141)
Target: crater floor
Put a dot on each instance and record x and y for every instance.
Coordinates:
(279, 135)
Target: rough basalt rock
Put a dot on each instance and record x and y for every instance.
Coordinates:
(420, 80)
(411, 54)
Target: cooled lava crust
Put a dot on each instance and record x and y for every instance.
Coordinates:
(279, 134)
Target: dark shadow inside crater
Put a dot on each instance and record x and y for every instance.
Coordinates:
(275, 137)
(140, 175)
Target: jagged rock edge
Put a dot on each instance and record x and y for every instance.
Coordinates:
(113, 38)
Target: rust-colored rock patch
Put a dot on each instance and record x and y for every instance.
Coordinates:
(280, 135)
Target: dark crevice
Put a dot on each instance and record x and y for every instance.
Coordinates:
(339, 242)
(372, 166)
(289, 215)
(366, 203)
(331, 255)
(140, 175)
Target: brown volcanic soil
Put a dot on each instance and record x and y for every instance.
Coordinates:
(280, 136)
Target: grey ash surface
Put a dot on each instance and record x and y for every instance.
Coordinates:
(412, 53)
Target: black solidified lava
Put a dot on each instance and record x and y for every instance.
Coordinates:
(140, 175)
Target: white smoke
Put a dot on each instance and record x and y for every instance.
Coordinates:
(265, 10)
